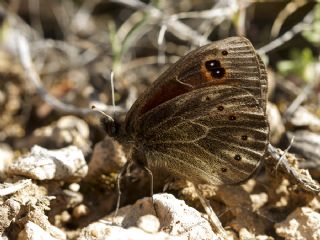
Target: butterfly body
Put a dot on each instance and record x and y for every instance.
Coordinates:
(204, 118)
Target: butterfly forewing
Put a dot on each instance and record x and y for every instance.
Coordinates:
(232, 61)
(216, 134)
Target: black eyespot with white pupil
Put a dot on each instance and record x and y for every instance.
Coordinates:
(218, 73)
(212, 64)
(214, 67)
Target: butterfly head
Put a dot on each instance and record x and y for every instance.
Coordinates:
(114, 128)
(110, 126)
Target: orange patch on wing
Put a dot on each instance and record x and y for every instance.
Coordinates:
(206, 75)
(215, 75)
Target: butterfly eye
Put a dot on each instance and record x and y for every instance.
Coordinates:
(113, 130)
(109, 126)
(212, 64)
(218, 72)
(237, 157)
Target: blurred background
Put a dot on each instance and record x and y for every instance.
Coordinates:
(72, 47)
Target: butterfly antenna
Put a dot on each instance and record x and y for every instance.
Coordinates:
(93, 107)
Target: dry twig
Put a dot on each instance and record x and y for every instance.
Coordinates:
(34, 78)
(303, 179)
(287, 36)
(15, 187)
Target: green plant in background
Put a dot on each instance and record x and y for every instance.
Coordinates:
(301, 64)
(313, 34)
(126, 35)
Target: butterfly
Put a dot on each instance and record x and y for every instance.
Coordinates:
(204, 118)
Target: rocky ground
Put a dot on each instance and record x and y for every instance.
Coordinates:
(58, 169)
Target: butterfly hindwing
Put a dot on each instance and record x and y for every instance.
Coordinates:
(216, 134)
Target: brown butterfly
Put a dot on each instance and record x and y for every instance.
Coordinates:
(204, 118)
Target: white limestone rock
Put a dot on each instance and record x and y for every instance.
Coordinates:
(302, 224)
(67, 164)
(177, 221)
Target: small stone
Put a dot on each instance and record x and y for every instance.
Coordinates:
(303, 118)
(258, 200)
(244, 234)
(302, 224)
(80, 211)
(32, 231)
(177, 221)
(65, 216)
(149, 223)
(315, 204)
(8, 211)
(100, 230)
(75, 187)
(177, 218)
(107, 157)
(67, 164)
(6, 156)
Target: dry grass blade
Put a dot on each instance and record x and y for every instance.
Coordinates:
(302, 178)
(290, 8)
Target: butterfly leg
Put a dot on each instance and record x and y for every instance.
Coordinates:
(213, 218)
(151, 181)
(125, 167)
(151, 188)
